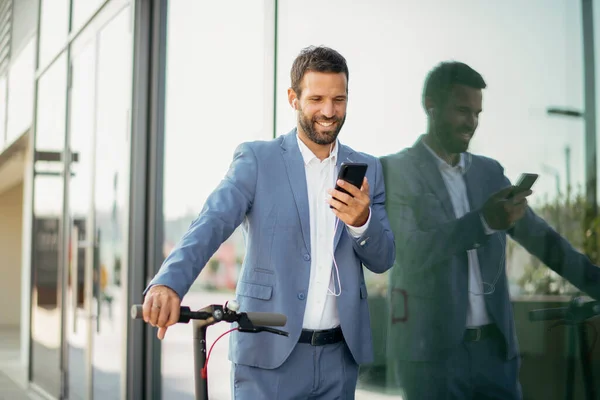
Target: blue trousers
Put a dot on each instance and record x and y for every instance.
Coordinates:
(474, 370)
(310, 372)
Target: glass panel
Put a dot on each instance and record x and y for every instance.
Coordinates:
(47, 214)
(199, 110)
(82, 11)
(81, 135)
(530, 54)
(3, 109)
(21, 78)
(111, 189)
(54, 29)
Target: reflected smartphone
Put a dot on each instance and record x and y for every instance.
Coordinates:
(524, 183)
(353, 173)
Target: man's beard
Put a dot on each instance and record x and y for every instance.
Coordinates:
(326, 137)
(450, 142)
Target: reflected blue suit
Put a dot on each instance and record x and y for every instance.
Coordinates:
(429, 284)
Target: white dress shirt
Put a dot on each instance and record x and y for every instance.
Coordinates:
(321, 305)
(455, 184)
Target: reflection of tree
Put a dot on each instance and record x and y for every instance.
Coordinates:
(213, 265)
(566, 215)
(377, 284)
(117, 277)
(211, 270)
(222, 269)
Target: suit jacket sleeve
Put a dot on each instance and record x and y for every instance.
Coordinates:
(375, 247)
(223, 212)
(539, 239)
(418, 248)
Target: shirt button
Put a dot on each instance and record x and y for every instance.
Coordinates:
(306, 257)
(301, 295)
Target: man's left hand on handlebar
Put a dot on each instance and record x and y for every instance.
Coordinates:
(161, 308)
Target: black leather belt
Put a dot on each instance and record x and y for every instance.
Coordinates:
(320, 338)
(481, 333)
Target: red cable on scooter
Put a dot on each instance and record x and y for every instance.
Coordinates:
(204, 371)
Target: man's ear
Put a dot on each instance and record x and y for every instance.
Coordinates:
(429, 104)
(293, 98)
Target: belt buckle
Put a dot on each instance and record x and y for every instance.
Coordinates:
(478, 337)
(313, 339)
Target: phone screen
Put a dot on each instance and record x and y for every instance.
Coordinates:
(353, 173)
(524, 183)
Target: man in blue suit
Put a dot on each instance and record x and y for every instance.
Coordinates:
(452, 332)
(303, 258)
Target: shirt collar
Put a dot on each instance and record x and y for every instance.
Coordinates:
(442, 164)
(308, 155)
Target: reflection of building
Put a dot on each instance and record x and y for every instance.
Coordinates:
(144, 109)
(45, 257)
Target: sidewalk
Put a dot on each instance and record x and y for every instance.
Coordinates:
(9, 390)
(13, 384)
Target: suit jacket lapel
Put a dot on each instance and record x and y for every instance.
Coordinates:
(475, 193)
(294, 165)
(473, 180)
(430, 171)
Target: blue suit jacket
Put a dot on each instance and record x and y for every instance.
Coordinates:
(265, 191)
(429, 284)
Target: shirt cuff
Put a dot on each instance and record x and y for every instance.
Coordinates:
(486, 227)
(358, 232)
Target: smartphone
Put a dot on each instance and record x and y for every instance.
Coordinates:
(353, 173)
(524, 183)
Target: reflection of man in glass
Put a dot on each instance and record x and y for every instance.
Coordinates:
(452, 333)
(303, 258)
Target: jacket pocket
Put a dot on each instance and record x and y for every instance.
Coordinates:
(262, 292)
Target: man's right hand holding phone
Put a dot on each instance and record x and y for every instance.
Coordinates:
(352, 209)
(501, 211)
